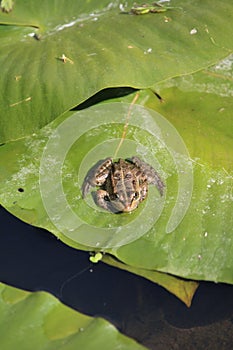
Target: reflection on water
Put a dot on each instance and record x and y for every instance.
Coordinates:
(33, 259)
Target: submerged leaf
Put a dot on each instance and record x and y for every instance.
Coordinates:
(183, 289)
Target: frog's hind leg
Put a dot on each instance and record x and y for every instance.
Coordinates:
(97, 175)
(151, 174)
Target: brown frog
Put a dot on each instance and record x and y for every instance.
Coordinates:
(123, 184)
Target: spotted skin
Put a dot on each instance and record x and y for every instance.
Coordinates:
(122, 184)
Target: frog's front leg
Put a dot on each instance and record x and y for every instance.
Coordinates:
(151, 174)
(97, 175)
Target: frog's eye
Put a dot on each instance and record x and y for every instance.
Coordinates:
(106, 198)
(136, 195)
(114, 197)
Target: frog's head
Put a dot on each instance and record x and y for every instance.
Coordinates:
(125, 202)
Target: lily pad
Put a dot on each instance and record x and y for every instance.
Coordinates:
(55, 57)
(27, 181)
(39, 321)
(200, 246)
(203, 242)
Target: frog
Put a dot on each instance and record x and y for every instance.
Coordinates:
(123, 184)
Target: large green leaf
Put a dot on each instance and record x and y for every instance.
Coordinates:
(200, 247)
(104, 48)
(39, 321)
(21, 194)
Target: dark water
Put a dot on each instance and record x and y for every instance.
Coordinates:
(33, 259)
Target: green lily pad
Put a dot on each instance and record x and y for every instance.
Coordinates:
(55, 57)
(24, 190)
(200, 246)
(39, 321)
(215, 80)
